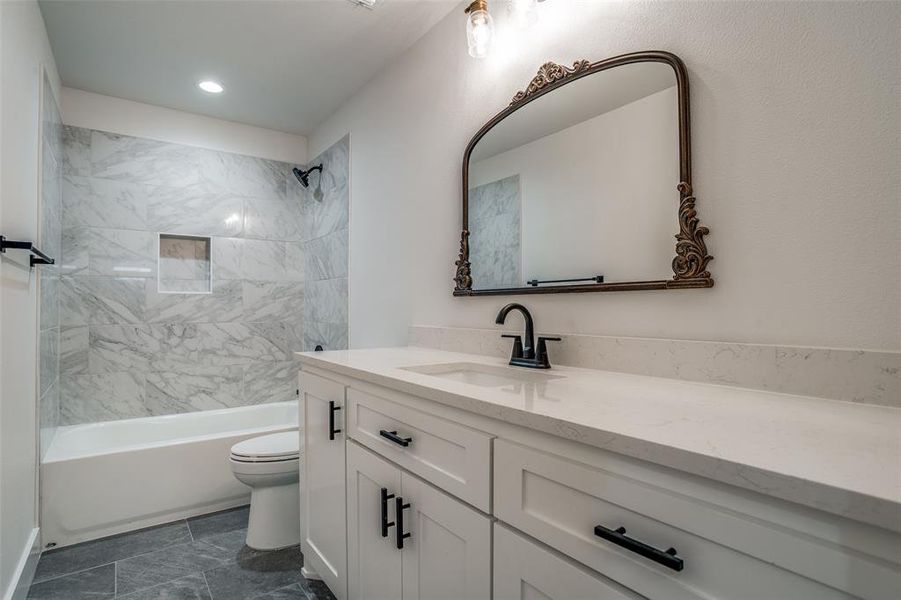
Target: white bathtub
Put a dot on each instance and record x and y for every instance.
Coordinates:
(100, 479)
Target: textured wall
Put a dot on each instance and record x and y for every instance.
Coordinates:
(50, 242)
(796, 162)
(129, 350)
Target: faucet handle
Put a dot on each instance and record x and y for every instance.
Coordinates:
(541, 355)
(517, 344)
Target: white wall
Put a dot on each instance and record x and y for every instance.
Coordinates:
(797, 168)
(23, 48)
(598, 197)
(96, 111)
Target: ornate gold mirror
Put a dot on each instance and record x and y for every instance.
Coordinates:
(573, 187)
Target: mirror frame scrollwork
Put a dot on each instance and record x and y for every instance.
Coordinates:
(690, 263)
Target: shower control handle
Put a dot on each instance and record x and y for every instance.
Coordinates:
(331, 419)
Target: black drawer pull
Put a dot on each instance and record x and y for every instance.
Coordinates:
(392, 435)
(385, 524)
(399, 508)
(666, 558)
(331, 419)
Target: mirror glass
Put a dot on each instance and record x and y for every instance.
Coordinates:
(579, 183)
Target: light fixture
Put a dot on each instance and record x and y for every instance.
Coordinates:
(370, 4)
(211, 87)
(479, 29)
(523, 13)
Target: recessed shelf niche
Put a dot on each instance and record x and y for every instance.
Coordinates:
(184, 266)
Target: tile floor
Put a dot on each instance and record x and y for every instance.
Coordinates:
(202, 558)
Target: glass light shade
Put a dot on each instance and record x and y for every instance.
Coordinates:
(479, 33)
(523, 13)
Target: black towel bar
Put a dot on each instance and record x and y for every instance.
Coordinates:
(596, 279)
(37, 257)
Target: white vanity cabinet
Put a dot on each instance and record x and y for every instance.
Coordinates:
(322, 481)
(494, 509)
(407, 540)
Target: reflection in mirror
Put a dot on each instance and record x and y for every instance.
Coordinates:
(579, 184)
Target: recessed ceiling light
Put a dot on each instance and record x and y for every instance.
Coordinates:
(213, 87)
(370, 4)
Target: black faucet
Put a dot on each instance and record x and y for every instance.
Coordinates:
(524, 353)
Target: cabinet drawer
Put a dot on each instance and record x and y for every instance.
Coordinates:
(523, 570)
(726, 554)
(455, 458)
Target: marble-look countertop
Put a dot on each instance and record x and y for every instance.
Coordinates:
(840, 457)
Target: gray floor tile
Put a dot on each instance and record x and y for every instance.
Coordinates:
(256, 573)
(316, 590)
(192, 587)
(292, 592)
(100, 552)
(98, 583)
(169, 564)
(220, 522)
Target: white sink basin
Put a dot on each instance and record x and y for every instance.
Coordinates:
(483, 375)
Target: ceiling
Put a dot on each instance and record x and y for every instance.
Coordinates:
(285, 65)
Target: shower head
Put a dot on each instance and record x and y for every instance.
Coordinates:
(304, 176)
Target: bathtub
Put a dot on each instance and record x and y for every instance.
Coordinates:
(100, 479)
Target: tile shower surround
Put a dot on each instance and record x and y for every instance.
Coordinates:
(126, 349)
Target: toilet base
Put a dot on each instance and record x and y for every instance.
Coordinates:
(274, 517)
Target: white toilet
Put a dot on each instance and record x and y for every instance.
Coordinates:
(270, 464)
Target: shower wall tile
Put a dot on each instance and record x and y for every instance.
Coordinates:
(49, 298)
(121, 253)
(495, 239)
(227, 258)
(271, 382)
(331, 336)
(140, 160)
(273, 219)
(222, 304)
(128, 350)
(76, 151)
(194, 210)
(48, 341)
(73, 351)
(326, 301)
(264, 260)
(103, 397)
(326, 257)
(92, 202)
(266, 301)
(179, 392)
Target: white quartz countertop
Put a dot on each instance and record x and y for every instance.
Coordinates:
(839, 457)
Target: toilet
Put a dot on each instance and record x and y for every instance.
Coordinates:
(269, 464)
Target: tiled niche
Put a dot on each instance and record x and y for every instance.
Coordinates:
(184, 265)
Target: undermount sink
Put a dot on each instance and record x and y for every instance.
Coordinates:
(482, 375)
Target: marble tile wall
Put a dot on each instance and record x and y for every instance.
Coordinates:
(495, 222)
(325, 249)
(50, 241)
(128, 349)
(865, 376)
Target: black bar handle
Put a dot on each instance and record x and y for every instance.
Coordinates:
(399, 508)
(385, 524)
(37, 257)
(596, 279)
(331, 419)
(667, 558)
(392, 435)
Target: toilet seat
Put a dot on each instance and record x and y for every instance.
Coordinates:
(276, 447)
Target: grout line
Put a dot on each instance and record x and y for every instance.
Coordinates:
(190, 532)
(115, 579)
(61, 575)
(207, 584)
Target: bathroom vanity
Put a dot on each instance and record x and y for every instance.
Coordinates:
(430, 474)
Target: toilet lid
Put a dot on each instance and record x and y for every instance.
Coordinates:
(276, 446)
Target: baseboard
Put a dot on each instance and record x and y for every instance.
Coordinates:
(310, 573)
(28, 564)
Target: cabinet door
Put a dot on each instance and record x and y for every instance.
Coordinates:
(523, 570)
(323, 518)
(373, 560)
(448, 553)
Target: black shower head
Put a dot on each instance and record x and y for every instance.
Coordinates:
(304, 176)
